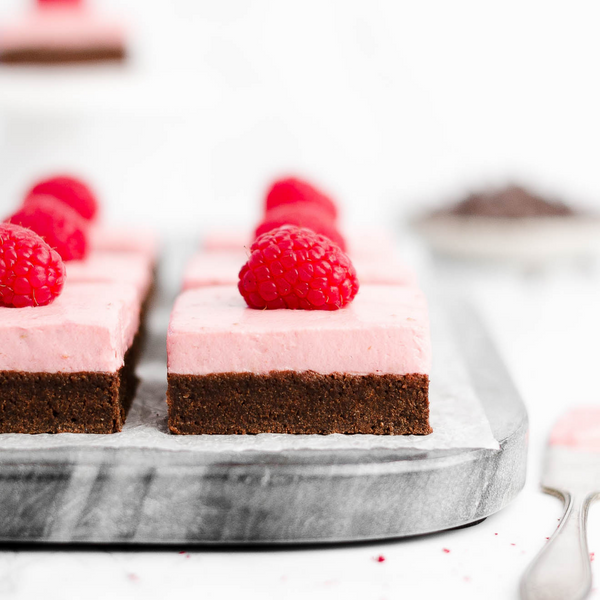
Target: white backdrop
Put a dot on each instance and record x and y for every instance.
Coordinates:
(387, 104)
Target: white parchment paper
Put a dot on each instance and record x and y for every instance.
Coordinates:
(457, 417)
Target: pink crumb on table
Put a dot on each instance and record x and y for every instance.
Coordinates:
(445, 551)
(592, 556)
(132, 577)
(379, 558)
(579, 428)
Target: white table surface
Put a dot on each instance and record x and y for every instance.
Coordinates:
(544, 325)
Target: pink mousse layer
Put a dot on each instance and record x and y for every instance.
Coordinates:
(578, 429)
(60, 27)
(367, 244)
(222, 268)
(89, 327)
(385, 330)
(119, 239)
(119, 267)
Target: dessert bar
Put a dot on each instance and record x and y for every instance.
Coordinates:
(61, 34)
(362, 369)
(69, 366)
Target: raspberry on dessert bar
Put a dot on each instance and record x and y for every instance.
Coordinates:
(296, 268)
(362, 370)
(302, 215)
(60, 226)
(31, 273)
(293, 191)
(70, 191)
(222, 268)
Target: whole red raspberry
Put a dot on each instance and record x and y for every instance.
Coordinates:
(60, 226)
(292, 191)
(31, 273)
(302, 215)
(292, 267)
(69, 190)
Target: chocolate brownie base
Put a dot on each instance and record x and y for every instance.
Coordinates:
(61, 55)
(298, 403)
(67, 402)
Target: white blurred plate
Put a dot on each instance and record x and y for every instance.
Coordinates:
(527, 240)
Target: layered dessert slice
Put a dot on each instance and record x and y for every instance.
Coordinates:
(363, 369)
(297, 348)
(61, 31)
(223, 268)
(68, 366)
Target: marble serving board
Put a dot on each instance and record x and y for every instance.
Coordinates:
(144, 485)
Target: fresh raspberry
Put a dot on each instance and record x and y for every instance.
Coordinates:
(292, 191)
(301, 215)
(70, 191)
(60, 226)
(292, 267)
(31, 273)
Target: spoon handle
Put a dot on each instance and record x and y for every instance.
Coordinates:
(562, 571)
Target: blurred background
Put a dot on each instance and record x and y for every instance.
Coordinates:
(390, 106)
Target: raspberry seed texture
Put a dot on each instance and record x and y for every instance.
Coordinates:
(296, 268)
(31, 273)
